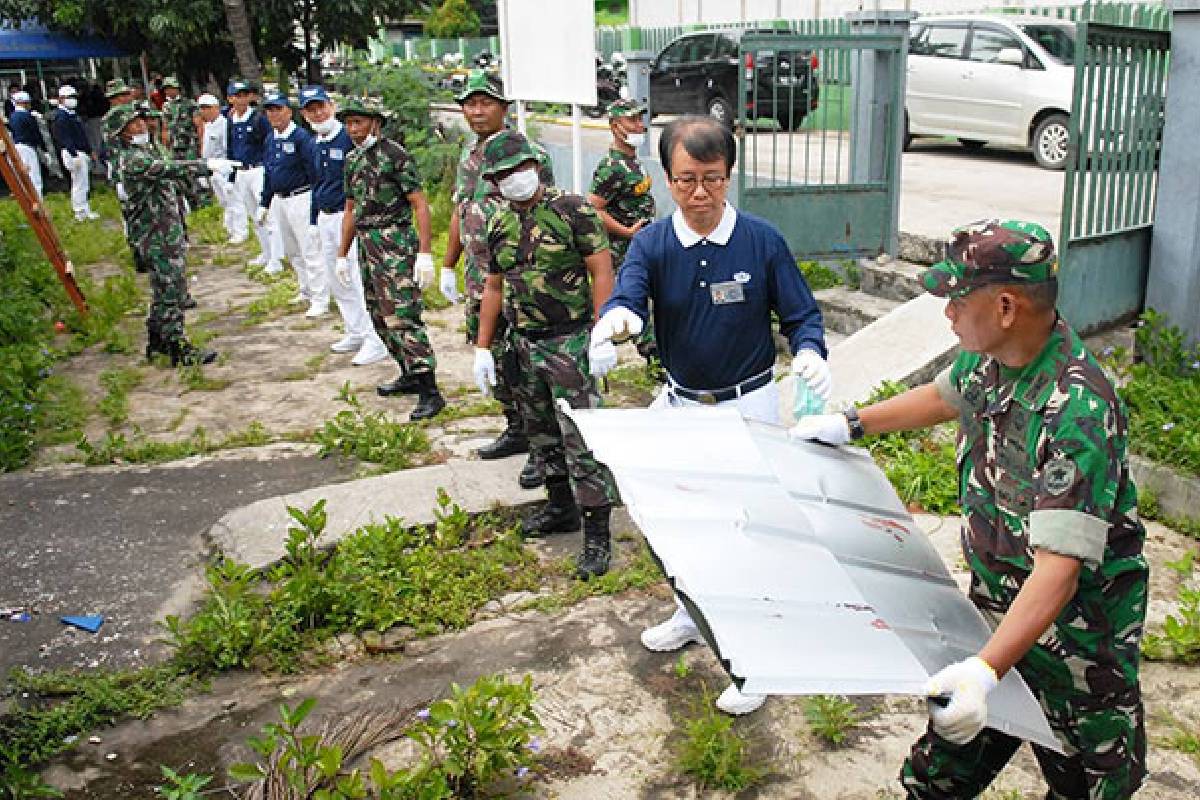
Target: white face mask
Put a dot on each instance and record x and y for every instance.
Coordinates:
(71, 102)
(635, 140)
(140, 138)
(520, 186)
(325, 128)
(370, 140)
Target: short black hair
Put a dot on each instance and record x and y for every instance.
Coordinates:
(1043, 296)
(703, 138)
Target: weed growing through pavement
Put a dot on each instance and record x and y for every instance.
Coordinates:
(1149, 508)
(371, 436)
(275, 302)
(641, 572)
(117, 384)
(714, 754)
(831, 717)
(188, 786)
(62, 410)
(1183, 740)
(195, 379)
(921, 465)
(680, 667)
(819, 276)
(207, 225)
(1180, 637)
(116, 448)
(312, 366)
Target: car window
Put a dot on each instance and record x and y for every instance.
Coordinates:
(726, 47)
(673, 54)
(986, 44)
(942, 41)
(701, 48)
(1057, 40)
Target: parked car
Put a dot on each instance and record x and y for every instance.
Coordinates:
(1000, 79)
(698, 73)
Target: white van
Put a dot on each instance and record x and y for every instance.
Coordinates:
(1003, 79)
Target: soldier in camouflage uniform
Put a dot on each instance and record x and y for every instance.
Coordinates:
(118, 94)
(383, 196)
(620, 193)
(1050, 526)
(484, 107)
(551, 249)
(155, 228)
(180, 116)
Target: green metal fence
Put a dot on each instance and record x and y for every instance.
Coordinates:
(1156, 16)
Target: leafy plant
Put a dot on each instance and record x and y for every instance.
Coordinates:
(818, 276)
(371, 436)
(182, 787)
(831, 717)
(713, 753)
(117, 383)
(1180, 637)
(921, 465)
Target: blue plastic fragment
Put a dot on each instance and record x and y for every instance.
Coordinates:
(90, 623)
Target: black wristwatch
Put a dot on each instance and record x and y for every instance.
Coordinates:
(854, 423)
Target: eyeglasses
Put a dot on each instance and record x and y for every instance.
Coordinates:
(688, 182)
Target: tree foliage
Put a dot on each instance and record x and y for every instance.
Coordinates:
(452, 18)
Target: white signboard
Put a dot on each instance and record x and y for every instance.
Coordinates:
(548, 50)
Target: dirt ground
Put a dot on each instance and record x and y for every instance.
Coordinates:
(612, 710)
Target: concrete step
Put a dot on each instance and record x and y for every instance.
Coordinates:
(894, 280)
(847, 311)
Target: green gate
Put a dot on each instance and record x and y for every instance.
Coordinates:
(821, 118)
(1112, 172)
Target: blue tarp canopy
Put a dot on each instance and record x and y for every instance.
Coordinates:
(36, 43)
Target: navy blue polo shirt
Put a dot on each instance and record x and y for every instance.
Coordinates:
(68, 130)
(329, 193)
(248, 138)
(25, 129)
(290, 163)
(713, 302)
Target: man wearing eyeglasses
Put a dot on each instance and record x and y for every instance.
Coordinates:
(714, 277)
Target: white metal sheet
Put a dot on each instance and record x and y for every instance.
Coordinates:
(548, 50)
(800, 561)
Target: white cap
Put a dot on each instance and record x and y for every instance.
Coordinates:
(21, 97)
(207, 100)
(67, 91)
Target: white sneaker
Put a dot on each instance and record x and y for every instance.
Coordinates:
(372, 351)
(274, 268)
(298, 299)
(317, 309)
(672, 634)
(347, 344)
(236, 240)
(258, 261)
(92, 215)
(733, 701)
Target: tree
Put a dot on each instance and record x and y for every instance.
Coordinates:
(451, 19)
(243, 41)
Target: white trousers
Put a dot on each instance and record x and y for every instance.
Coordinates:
(290, 217)
(761, 405)
(351, 301)
(223, 193)
(245, 199)
(78, 168)
(29, 157)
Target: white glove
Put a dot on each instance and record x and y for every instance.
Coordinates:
(68, 160)
(828, 428)
(220, 166)
(47, 159)
(448, 283)
(121, 195)
(314, 238)
(967, 684)
(617, 324)
(809, 365)
(341, 270)
(602, 357)
(423, 270)
(260, 216)
(485, 370)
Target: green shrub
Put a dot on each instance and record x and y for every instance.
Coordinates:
(713, 753)
(921, 464)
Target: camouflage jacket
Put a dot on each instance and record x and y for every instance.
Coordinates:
(539, 251)
(379, 180)
(179, 117)
(1042, 464)
(152, 182)
(625, 187)
(475, 198)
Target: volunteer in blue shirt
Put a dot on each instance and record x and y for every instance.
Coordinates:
(76, 152)
(27, 137)
(248, 134)
(290, 161)
(714, 276)
(332, 146)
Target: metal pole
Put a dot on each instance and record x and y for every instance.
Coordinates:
(576, 149)
(521, 116)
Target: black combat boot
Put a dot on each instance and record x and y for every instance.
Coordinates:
(560, 514)
(429, 399)
(139, 261)
(597, 543)
(154, 342)
(532, 474)
(405, 383)
(185, 353)
(188, 303)
(509, 443)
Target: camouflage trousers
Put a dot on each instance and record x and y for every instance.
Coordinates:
(1106, 737)
(387, 257)
(165, 255)
(502, 349)
(139, 260)
(556, 369)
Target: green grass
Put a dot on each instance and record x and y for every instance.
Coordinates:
(713, 753)
(819, 276)
(372, 436)
(207, 225)
(641, 572)
(62, 409)
(831, 718)
(114, 406)
(274, 303)
(921, 465)
(116, 448)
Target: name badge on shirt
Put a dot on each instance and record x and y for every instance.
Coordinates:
(288, 147)
(336, 154)
(727, 293)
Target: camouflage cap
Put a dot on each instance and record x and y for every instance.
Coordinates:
(115, 87)
(626, 108)
(479, 81)
(118, 117)
(359, 107)
(146, 109)
(991, 252)
(505, 150)
(170, 82)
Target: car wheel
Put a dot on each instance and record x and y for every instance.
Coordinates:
(972, 145)
(1051, 140)
(906, 138)
(719, 109)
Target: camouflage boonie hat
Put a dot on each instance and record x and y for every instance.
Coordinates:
(115, 87)
(505, 150)
(170, 82)
(991, 252)
(118, 117)
(358, 107)
(626, 108)
(485, 82)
